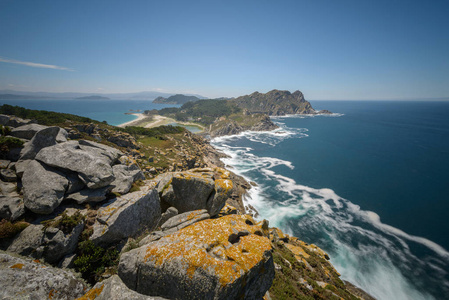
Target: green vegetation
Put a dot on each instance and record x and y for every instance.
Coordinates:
(156, 132)
(202, 111)
(9, 230)
(43, 117)
(293, 279)
(64, 222)
(92, 261)
(7, 143)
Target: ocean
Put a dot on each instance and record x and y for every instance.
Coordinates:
(368, 184)
(111, 111)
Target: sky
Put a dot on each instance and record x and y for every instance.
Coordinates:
(344, 50)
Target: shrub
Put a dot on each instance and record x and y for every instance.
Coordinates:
(65, 223)
(93, 260)
(9, 230)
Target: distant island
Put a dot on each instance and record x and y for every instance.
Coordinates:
(93, 97)
(176, 99)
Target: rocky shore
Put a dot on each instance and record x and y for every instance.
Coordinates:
(91, 212)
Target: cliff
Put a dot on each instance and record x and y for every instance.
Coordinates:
(144, 213)
(275, 103)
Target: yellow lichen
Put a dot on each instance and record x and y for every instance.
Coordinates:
(92, 294)
(234, 260)
(297, 251)
(224, 184)
(17, 266)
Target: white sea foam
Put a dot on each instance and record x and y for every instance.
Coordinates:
(373, 255)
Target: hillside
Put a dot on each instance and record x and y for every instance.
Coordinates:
(176, 99)
(276, 103)
(132, 209)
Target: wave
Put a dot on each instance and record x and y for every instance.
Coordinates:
(381, 259)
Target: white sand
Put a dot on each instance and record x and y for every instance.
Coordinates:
(140, 117)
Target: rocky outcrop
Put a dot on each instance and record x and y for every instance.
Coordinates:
(275, 103)
(250, 122)
(43, 138)
(114, 289)
(92, 161)
(225, 258)
(26, 279)
(126, 216)
(125, 176)
(43, 188)
(195, 189)
(46, 242)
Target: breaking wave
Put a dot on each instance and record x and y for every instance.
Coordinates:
(383, 260)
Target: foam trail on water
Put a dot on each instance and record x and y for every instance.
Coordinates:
(378, 257)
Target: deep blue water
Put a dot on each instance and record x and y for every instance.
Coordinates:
(112, 111)
(369, 185)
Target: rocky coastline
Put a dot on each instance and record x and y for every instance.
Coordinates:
(140, 218)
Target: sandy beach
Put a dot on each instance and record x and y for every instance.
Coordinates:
(135, 122)
(154, 121)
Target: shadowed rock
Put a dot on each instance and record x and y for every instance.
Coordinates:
(43, 188)
(126, 216)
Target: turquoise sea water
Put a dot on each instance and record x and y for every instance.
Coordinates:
(112, 111)
(369, 185)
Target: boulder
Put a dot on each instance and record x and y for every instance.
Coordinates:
(28, 241)
(13, 121)
(27, 131)
(126, 216)
(195, 189)
(8, 175)
(224, 258)
(169, 213)
(113, 288)
(185, 219)
(57, 244)
(26, 279)
(42, 139)
(11, 208)
(90, 160)
(89, 195)
(50, 244)
(43, 188)
(125, 175)
(21, 166)
(75, 183)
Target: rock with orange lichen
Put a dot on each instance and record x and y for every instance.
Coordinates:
(114, 289)
(22, 278)
(224, 258)
(126, 216)
(201, 188)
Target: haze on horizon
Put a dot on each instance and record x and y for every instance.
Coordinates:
(327, 49)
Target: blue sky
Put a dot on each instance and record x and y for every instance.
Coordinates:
(357, 49)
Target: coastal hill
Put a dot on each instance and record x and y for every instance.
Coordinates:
(176, 99)
(93, 97)
(138, 212)
(276, 103)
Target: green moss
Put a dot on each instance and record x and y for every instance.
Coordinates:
(9, 230)
(136, 186)
(7, 143)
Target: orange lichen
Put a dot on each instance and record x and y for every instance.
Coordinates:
(51, 294)
(37, 261)
(297, 251)
(224, 184)
(17, 266)
(229, 262)
(92, 294)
